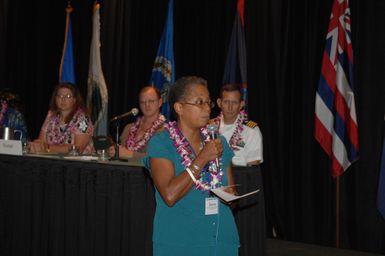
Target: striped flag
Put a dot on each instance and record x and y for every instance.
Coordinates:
(163, 72)
(236, 62)
(67, 66)
(381, 184)
(97, 93)
(336, 126)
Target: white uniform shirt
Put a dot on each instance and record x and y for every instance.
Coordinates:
(252, 138)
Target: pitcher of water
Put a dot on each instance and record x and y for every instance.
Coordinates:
(7, 133)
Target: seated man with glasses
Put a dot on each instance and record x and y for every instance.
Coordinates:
(243, 136)
(136, 135)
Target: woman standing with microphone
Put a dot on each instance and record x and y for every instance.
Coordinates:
(182, 161)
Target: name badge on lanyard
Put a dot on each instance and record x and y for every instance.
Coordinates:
(211, 206)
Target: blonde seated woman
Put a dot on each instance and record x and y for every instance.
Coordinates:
(67, 123)
(136, 135)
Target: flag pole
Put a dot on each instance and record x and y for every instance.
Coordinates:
(68, 10)
(335, 122)
(338, 212)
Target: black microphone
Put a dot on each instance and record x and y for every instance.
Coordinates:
(212, 128)
(132, 112)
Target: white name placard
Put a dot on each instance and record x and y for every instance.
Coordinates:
(11, 147)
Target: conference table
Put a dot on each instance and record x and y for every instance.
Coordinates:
(52, 205)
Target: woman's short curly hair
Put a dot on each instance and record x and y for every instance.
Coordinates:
(181, 89)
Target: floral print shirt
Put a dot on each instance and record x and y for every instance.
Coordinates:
(57, 133)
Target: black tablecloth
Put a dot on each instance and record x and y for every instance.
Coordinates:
(57, 207)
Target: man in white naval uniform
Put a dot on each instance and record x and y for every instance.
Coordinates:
(243, 136)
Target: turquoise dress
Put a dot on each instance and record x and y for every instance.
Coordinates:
(184, 229)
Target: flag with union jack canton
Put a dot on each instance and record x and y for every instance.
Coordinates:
(336, 127)
(163, 72)
(67, 66)
(236, 62)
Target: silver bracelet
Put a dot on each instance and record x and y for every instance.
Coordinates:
(191, 174)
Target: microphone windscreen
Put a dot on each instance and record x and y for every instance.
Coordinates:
(212, 127)
(134, 111)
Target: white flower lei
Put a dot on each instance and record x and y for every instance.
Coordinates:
(236, 138)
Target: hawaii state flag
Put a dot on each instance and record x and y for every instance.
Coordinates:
(97, 93)
(163, 72)
(67, 66)
(236, 62)
(336, 126)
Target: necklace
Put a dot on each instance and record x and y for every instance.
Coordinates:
(236, 138)
(211, 176)
(4, 108)
(133, 145)
(59, 134)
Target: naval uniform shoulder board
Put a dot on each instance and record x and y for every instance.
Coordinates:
(250, 124)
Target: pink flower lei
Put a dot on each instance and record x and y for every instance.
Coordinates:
(236, 139)
(4, 108)
(56, 136)
(210, 177)
(133, 145)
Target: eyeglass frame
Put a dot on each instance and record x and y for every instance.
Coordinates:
(200, 104)
(64, 97)
(150, 102)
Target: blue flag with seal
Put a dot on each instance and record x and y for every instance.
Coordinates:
(381, 183)
(67, 67)
(163, 71)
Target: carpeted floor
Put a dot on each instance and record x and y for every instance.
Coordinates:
(285, 248)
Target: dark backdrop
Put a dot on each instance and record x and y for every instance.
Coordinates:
(285, 40)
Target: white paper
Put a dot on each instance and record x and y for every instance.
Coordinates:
(211, 205)
(227, 197)
(82, 158)
(11, 147)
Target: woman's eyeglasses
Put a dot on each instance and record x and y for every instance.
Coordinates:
(200, 103)
(64, 97)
